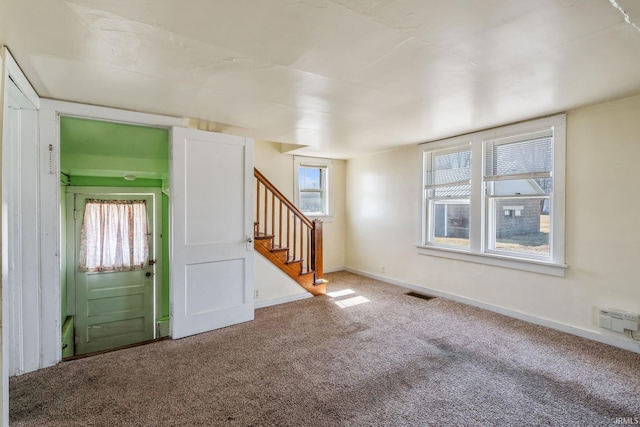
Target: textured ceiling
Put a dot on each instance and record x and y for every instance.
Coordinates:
(341, 77)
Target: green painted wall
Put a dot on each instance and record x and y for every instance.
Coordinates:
(99, 181)
(96, 153)
(95, 148)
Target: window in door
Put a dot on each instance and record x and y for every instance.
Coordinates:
(114, 236)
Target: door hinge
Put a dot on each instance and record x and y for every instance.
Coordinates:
(152, 262)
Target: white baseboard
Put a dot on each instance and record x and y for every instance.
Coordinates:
(591, 335)
(281, 300)
(334, 269)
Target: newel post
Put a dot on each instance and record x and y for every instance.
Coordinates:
(316, 249)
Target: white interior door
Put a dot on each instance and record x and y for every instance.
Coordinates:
(211, 231)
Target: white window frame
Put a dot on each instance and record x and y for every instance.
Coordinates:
(479, 250)
(431, 200)
(312, 162)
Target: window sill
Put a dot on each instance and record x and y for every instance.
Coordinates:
(541, 267)
(323, 218)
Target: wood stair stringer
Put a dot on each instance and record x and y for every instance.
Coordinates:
(279, 257)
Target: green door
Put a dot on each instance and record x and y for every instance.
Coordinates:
(113, 308)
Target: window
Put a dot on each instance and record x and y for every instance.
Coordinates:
(497, 196)
(518, 181)
(311, 185)
(448, 190)
(114, 236)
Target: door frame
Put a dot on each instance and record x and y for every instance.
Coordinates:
(13, 336)
(50, 202)
(46, 316)
(154, 253)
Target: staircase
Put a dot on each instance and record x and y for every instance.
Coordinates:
(287, 238)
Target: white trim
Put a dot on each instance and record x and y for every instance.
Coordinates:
(282, 300)
(624, 344)
(15, 73)
(49, 114)
(50, 238)
(334, 269)
(94, 112)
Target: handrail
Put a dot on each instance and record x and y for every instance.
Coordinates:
(282, 198)
(288, 229)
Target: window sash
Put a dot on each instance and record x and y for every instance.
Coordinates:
(304, 189)
(321, 179)
(519, 241)
(520, 156)
(446, 239)
(323, 201)
(437, 174)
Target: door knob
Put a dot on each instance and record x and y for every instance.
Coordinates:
(148, 274)
(249, 239)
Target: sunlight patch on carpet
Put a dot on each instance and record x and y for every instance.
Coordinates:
(350, 302)
(341, 293)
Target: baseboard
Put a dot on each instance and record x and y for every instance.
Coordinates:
(281, 300)
(334, 269)
(594, 336)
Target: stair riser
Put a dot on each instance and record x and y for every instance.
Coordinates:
(293, 269)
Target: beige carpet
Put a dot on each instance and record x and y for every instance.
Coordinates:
(389, 360)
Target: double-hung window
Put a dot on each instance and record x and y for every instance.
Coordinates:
(311, 185)
(448, 191)
(497, 196)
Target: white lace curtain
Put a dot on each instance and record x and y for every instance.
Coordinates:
(114, 236)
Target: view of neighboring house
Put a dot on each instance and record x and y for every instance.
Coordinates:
(466, 150)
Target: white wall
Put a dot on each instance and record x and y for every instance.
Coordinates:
(602, 238)
(278, 168)
(273, 285)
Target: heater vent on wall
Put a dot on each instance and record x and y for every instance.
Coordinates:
(617, 320)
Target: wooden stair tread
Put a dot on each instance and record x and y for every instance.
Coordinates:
(262, 236)
(292, 269)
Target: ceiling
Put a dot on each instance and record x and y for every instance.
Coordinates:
(342, 78)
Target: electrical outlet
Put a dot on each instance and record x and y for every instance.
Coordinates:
(256, 293)
(383, 270)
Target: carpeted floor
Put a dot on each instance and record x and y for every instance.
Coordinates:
(374, 357)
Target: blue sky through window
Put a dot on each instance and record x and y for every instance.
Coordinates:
(310, 178)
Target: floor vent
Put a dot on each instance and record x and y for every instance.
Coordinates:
(421, 296)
